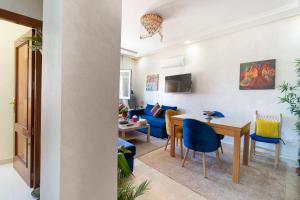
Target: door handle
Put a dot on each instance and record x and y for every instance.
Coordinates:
(12, 102)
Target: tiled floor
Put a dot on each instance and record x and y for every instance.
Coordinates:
(161, 186)
(12, 186)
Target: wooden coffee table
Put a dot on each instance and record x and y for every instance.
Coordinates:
(131, 132)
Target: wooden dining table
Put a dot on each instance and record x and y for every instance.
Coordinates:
(235, 128)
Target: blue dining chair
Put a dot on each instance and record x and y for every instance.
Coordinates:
(199, 136)
(218, 114)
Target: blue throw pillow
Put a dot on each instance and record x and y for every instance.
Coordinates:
(163, 114)
(148, 109)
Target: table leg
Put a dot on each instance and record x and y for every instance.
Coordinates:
(246, 148)
(172, 149)
(148, 134)
(236, 159)
(123, 134)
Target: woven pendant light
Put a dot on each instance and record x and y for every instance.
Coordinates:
(152, 23)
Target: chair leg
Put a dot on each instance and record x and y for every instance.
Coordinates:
(204, 164)
(176, 141)
(277, 152)
(181, 147)
(194, 154)
(252, 150)
(221, 148)
(185, 156)
(167, 143)
(218, 157)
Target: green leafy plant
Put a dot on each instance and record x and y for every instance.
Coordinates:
(291, 96)
(37, 41)
(126, 189)
(124, 110)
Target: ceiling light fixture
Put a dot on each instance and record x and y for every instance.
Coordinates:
(153, 24)
(187, 42)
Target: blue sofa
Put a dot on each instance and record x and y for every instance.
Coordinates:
(157, 125)
(129, 156)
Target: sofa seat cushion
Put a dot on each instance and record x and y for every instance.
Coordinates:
(157, 122)
(128, 146)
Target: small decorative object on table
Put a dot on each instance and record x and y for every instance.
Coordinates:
(209, 115)
(134, 119)
(142, 122)
(123, 122)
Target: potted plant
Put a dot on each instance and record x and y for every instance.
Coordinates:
(37, 41)
(291, 95)
(124, 112)
(126, 190)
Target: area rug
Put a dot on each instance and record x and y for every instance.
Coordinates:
(142, 147)
(259, 180)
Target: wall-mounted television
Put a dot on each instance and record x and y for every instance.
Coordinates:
(178, 83)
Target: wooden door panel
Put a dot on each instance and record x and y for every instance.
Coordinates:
(22, 85)
(23, 109)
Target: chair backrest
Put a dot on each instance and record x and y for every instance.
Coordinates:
(274, 118)
(169, 114)
(218, 114)
(199, 136)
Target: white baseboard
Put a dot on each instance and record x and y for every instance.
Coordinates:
(287, 160)
(6, 161)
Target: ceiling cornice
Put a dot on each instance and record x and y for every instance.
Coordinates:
(235, 26)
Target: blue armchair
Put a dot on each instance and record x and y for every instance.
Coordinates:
(200, 137)
(218, 114)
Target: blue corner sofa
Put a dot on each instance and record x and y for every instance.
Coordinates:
(129, 156)
(157, 125)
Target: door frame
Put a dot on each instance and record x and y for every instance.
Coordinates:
(37, 85)
(20, 19)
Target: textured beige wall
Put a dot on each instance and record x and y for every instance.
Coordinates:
(80, 88)
(30, 8)
(9, 33)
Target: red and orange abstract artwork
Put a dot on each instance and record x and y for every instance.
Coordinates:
(258, 75)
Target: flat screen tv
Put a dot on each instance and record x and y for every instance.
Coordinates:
(178, 83)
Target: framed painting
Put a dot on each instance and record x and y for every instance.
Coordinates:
(152, 82)
(258, 75)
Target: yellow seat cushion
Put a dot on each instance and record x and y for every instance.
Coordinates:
(267, 128)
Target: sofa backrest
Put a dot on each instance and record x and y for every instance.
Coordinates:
(163, 115)
(148, 109)
(163, 107)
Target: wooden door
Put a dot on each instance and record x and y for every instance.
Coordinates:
(25, 103)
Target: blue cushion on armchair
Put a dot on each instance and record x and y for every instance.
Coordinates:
(264, 139)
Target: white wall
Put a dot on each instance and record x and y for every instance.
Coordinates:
(51, 100)
(215, 66)
(30, 8)
(80, 95)
(9, 33)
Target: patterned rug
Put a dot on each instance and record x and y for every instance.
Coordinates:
(142, 147)
(259, 180)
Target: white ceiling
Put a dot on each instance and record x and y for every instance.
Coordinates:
(196, 19)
